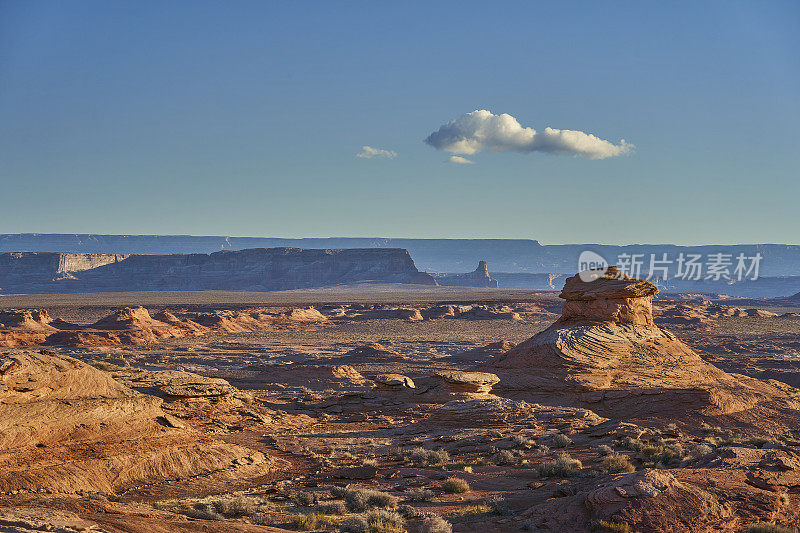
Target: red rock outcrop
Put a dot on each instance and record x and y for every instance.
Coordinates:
(26, 327)
(606, 353)
(135, 326)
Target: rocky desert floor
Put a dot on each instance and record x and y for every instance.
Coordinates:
(390, 410)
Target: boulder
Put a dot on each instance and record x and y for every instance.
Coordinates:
(458, 382)
(393, 382)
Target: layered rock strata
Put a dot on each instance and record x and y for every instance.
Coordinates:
(606, 353)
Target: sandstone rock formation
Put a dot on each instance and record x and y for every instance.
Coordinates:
(135, 326)
(469, 383)
(28, 319)
(259, 269)
(24, 327)
(371, 352)
(606, 353)
(477, 278)
(66, 426)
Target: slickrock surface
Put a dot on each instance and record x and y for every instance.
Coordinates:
(66, 426)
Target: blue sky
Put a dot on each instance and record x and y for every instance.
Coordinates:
(245, 118)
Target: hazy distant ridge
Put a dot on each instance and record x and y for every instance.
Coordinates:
(431, 255)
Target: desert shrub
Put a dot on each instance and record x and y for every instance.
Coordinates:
(562, 466)
(419, 495)
(423, 457)
(381, 499)
(471, 510)
(504, 457)
(262, 519)
(435, 524)
(455, 485)
(354, 524)
(521, 441)
(305, 499)
(605, 449)
(499, 506)
(542, 449)
(561, 441)
(203, 512)
(408, 512)
(630, 443)
(359, 500)
(236, 506)
(338, 492)
(701, 450)
(356, 501)
(610, 527)
(383, 521)
(335, 508)
(313, 522)
(767, 527)
(617, 462)
(663, 454)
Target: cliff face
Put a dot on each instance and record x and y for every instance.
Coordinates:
(478, 278)
(263, 269)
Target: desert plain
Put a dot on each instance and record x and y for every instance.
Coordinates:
(602, 407)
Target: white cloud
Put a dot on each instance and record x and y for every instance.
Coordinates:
(483, 130)
(461, 160)
(368, 152)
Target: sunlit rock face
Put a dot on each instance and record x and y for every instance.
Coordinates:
(609, 297)
(605, 353)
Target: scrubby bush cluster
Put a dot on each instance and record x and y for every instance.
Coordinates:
(617, 463)
(455, 485)
(561, 466)
(561, 441)
(358, 500)
(423, 457)
(419, 495)
(435, 524)
(376, 521)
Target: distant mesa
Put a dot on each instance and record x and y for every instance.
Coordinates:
(477, 278)
(605, 353)
(258, 269)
